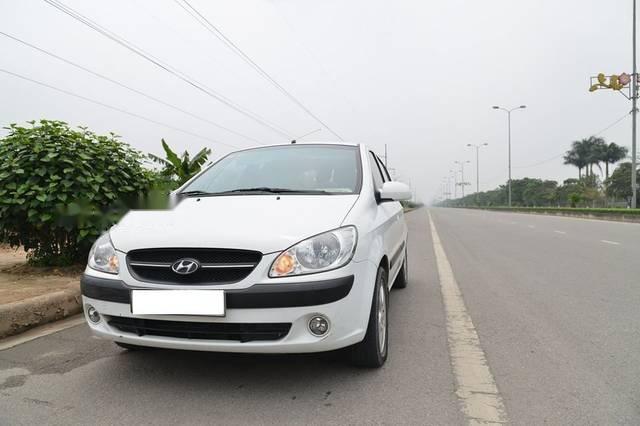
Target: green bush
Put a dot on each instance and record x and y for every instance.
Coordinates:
(60, 188)
(571, 210)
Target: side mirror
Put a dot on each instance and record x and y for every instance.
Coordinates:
(395, 191)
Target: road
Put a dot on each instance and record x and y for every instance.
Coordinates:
(554, 302)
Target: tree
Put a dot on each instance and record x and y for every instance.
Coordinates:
(564, 192)
(574, 199)
(577, 156)
(619, 184)
(586, 153)
(539, 193)
(180, 169)
(60, 188)
(612, 154)
(595, 148)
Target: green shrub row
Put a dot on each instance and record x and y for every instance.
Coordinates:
(581, 210)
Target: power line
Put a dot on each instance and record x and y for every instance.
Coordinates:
(563, 153)
(612, 124)
(312, 56)
(539, 163)
(133, 114)
(216, 32)
(163, 65)
(104, 77)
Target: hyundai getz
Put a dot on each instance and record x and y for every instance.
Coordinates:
(277, 249)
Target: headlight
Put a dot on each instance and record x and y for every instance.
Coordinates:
(320, 253)
(102, 256)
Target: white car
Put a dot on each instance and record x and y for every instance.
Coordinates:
(277, 249)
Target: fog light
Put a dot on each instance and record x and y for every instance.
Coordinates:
(93, 314)
(318, 326)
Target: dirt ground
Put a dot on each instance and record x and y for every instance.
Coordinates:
(20, 281)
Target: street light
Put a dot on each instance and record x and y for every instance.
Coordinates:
(477, 147)
(509, 111)
(462, 183)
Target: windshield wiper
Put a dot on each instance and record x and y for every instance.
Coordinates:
(194, 193)
(273, 191)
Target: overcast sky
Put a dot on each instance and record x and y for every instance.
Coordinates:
(420, 76)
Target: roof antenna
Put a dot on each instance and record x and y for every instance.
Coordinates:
(293, 141)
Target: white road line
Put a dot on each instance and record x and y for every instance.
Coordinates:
(41, 331)
(531, 226)
(560, 232)
(475, 386)
(610, 242)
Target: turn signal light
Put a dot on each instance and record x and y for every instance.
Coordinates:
(284, 264)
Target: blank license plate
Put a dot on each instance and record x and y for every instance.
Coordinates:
(178, 302)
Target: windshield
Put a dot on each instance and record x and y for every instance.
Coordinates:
(310, 169)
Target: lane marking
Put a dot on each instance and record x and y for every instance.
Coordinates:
(610, 242)
(560, 232)
(531, 226)
(41, 331)
(476, 388)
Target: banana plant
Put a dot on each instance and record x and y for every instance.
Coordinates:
(180, 168)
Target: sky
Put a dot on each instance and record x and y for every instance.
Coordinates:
(418, 76)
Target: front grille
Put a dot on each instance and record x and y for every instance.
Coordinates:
(243, 332)
(217, 266)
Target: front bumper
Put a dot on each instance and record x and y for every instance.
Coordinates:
(342, 296)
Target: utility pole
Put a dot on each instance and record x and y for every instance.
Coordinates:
(448, 179)
(618, 82)
(455, 183)
(509, 111)
(462, 183)
(385, 155)
(477, 147)
(634, 113)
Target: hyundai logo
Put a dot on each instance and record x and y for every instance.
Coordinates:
(185, 266)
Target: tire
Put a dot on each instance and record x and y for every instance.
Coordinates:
(403, 276)
(373, 350)
(130, 347)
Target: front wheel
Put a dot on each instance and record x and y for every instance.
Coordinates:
(372, 351)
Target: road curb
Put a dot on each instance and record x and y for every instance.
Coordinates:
(21, 316)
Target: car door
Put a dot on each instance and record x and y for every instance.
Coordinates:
(398, 232)
(388, 216)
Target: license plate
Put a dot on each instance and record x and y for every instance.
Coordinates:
(178, 302)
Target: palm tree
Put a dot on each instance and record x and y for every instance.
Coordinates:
(180, 169)
(577, 156)
(595, 148)
(612, 154)
(586, 153)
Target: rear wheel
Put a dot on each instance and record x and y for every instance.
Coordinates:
(403, 276)
(372, 351)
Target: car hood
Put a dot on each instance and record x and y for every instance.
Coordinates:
(266, 223)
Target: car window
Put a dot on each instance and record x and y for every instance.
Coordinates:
(334, 169)
(378, 180)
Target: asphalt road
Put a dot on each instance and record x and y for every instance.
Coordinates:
(555, 302)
